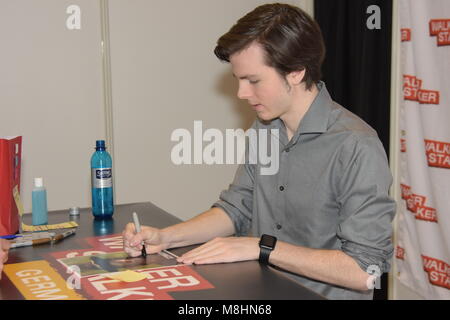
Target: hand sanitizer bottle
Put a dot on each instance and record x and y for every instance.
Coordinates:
(39, 212)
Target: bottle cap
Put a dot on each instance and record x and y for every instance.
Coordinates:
(38, 182)
(74, 211)
(100, 144)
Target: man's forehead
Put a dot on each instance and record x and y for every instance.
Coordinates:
(249, 62)
(247, 66)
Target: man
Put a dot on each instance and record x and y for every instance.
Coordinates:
(4, 247)
(325, 216)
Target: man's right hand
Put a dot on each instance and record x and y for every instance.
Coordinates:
(202, 228)
(132, 241)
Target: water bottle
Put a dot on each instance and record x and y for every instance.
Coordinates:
(102, 186)
(39, 212)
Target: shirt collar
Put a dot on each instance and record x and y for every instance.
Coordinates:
(315, 119)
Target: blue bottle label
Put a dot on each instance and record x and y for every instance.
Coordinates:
(101, 177)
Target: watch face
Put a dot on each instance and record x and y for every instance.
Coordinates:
(268, 241)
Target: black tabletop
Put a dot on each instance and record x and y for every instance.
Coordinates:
(235, 281)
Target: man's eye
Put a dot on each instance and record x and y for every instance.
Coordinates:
(253, 81)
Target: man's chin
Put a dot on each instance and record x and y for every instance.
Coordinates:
(264, 118)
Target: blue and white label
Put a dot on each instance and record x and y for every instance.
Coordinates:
(102, 177)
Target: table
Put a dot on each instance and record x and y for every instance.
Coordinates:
(236, 281)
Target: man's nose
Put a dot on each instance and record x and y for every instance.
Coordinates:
(244, 91)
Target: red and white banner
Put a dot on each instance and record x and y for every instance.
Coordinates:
(423, 244)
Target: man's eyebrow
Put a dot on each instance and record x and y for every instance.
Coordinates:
(246, 76)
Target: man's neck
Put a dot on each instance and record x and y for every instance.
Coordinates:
(302, 102)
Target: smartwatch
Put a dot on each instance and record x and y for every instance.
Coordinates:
(266, 244)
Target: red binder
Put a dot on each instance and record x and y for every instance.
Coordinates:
(10, 162)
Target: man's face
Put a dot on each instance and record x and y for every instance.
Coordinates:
(264, 89)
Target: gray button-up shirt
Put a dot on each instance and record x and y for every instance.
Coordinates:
(330, 192)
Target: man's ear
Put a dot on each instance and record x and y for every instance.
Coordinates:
(296, 77)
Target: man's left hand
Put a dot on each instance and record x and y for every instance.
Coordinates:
(220, 250)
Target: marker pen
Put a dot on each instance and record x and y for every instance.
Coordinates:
(138, 229)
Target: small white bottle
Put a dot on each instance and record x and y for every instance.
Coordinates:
(39, 203)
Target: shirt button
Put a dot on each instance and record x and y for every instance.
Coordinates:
(281, 188)
(279, 226)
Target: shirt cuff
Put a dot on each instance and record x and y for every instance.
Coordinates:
(369, 258)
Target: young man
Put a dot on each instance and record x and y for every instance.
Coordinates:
(325, 216)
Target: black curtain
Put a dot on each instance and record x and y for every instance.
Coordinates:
(357, 65)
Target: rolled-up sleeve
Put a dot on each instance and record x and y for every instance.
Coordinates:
(237, 201)
(366, 209)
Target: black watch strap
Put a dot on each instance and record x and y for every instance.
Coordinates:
(264, 254)
(266, 245)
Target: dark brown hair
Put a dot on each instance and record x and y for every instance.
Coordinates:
(292, 40)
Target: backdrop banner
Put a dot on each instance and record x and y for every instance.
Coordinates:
(423, 243)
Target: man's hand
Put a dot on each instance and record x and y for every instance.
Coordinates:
(4, 247)
(204, 227)
(132, 241)
(219, 250)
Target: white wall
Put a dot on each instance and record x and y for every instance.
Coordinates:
(51, 94)
(163, 75)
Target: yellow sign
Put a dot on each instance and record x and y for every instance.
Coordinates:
(64, 225)
(36, 280)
